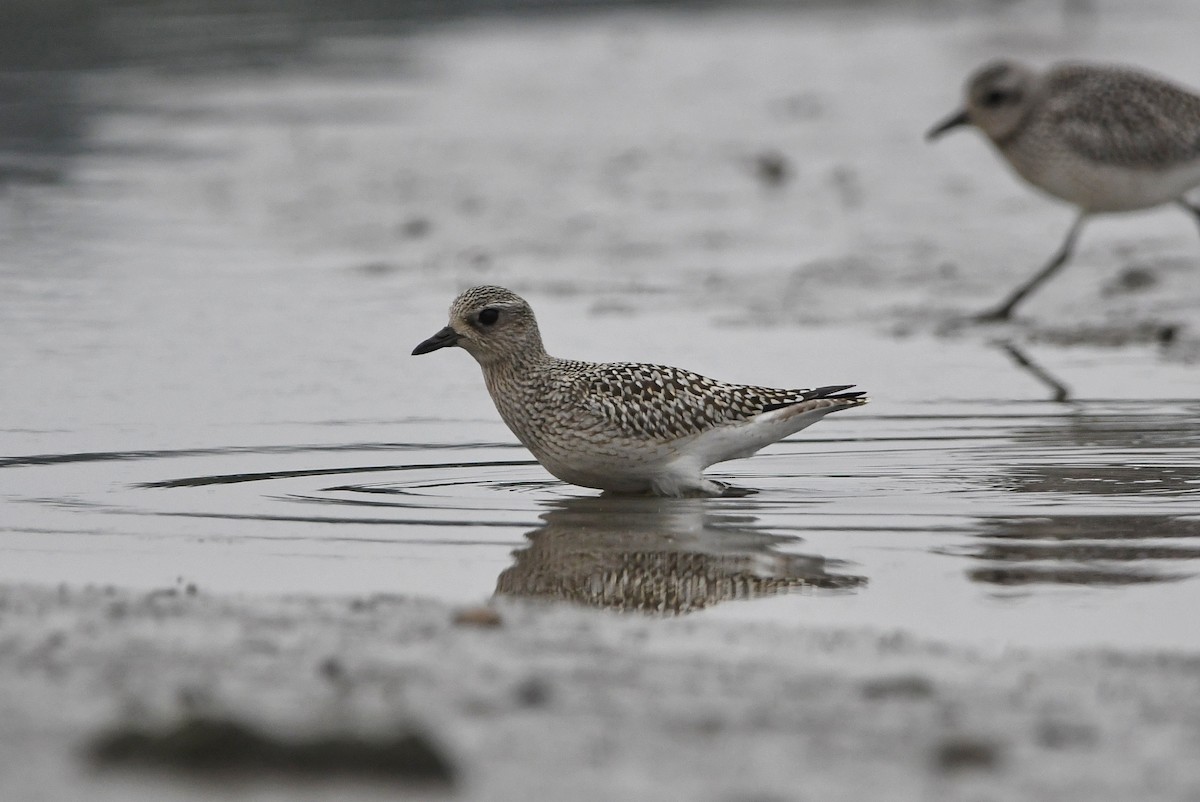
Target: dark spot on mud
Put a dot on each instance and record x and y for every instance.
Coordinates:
(193, 698)
(899, 687)
(533, 692)
(471, 205)
(847, 186)
(374, 602)
(1168, 333)
(965, 753)
(1132, 279)
(377, 268)
(1065, 735)
(476, 259)
(332, 670)
(805, 106)
(772, 168)
(1117, 335)
(415, 227)
(220, 747)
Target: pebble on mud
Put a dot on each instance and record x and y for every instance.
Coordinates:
(966, 753)
(898, 687)
(415, 227)
(331, 669)
(1053, 734)
(478, 617)
(1131, 279)
(533, 692)
(1167, 334)
(772, 168)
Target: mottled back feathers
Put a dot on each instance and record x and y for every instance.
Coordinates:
(1122, 117)
(661, 403)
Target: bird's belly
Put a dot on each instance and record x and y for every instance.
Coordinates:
(616, 467)
(592, 457)
(1106, 188)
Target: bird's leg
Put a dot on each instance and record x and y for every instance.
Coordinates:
(1195, 210)
(1060, 392)
(730, 491)
(1004, 310)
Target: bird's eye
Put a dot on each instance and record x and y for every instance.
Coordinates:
(489, 316)
(995, 97)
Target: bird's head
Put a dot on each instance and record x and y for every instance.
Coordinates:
(999, 95)
(491, 323)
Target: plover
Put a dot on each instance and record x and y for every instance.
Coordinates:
(1103, 138)
(619, 426)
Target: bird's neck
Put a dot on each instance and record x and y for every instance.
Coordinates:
(515, 369)
(518, 387)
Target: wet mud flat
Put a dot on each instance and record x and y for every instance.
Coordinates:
(117, 695)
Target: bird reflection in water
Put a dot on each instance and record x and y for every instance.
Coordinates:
(659, 556)
(1102, 550)
(1112, 486)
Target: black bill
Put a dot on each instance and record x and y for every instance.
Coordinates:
(443, 339)
(953, 121)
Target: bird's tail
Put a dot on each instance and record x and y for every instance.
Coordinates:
(830, 397)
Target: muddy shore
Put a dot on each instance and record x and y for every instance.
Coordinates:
(551, 702)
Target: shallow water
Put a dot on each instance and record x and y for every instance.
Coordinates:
(997, 521)
(207, 306)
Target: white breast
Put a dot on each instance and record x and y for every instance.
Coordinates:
(1098, 187)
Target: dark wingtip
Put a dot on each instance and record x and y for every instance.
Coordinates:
(832, 392)
(828, 391)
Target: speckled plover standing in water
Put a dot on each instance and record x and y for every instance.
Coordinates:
(619, 426)
(1104, 138)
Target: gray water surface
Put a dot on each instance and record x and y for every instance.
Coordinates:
(1011, 521)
